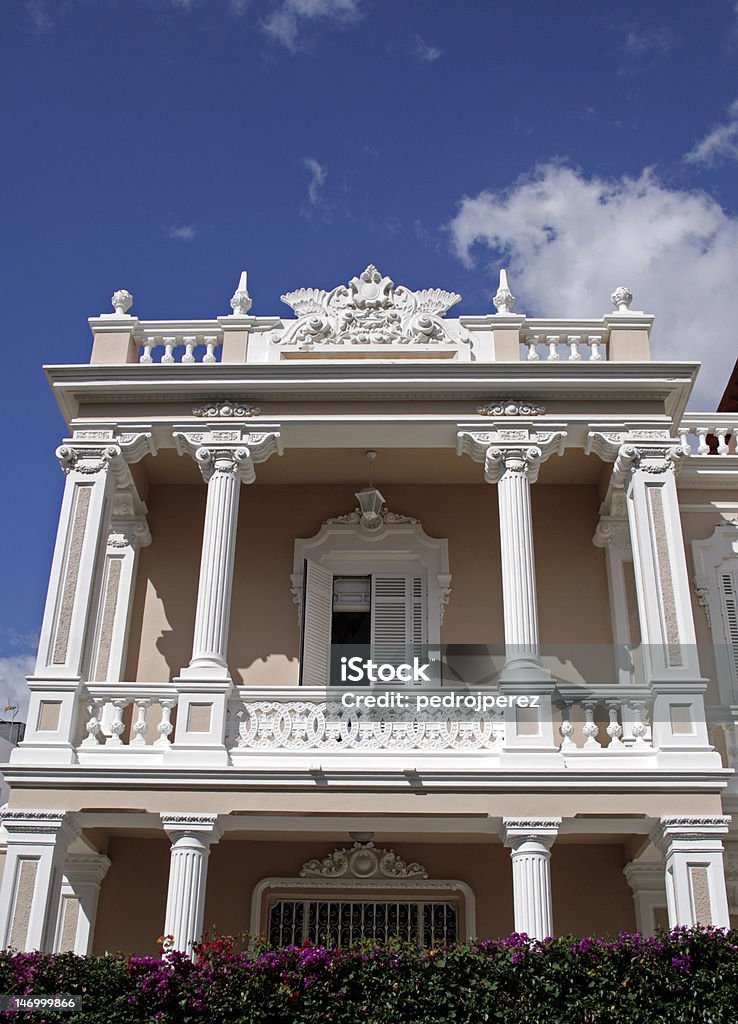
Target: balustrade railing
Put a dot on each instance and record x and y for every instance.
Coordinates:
(182, 343)
(279, 720)
(148, 724)
(709, 433)
(606, 722)
(547, 342)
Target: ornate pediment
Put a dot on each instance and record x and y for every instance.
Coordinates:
(363, 860)
(370, 310)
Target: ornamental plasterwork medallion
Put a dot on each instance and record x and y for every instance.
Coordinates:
(363, 860)
(370, 310)
(226, 410)
(511, 407)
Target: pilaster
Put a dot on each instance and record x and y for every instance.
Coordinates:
(695, 877)
(80, 891)
(32, 877)
(646, 879)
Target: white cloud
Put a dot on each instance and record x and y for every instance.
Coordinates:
(318, 174)
(424, 52)
(39, 13)
(238, 7)
(569, 239)
(13, 686)
(648, 40)
(720, 143)
(285, 22)
(182, 232)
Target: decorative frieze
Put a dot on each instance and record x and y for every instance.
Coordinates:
(226, 410)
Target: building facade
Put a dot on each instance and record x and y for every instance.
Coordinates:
(518, 509)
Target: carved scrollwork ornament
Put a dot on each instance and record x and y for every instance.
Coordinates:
(86, 460)
(511, 407)
(524, 461)
(362, 861)
(370, 310)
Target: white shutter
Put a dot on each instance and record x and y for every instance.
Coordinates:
(730, 615)
(316, 625)
(398, 618)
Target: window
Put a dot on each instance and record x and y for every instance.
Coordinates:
(342, 922)
(381, 616)
(716, 586)
(374, 592)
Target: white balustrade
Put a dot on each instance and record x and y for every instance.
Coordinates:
(198, 346)
(713, 434)
(555, 346)
(105, 724)
(626, 727)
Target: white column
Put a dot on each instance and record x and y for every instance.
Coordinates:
(191, 836)
(32, 877)
(530, 842)
(80, 892)
(117, 580)
(514, 470)
(223, 472)
(695, 878)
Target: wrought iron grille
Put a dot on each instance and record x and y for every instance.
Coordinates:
(343, 922)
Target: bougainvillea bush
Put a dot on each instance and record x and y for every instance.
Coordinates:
(687, 977)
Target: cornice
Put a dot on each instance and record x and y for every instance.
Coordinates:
(315, 381)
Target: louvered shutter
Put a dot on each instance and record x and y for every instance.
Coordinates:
(317, 610)
(729, 593)
(398, 618)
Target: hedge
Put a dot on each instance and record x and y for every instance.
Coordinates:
(689, 976)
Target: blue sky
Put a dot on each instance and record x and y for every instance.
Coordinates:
(164, 145)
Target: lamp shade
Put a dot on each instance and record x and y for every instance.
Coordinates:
(370, 502)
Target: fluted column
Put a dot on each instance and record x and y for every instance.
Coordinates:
(695, 879)
(224, 468)
(223, 472)
(530, 842)
(514, 470)
(191, 836)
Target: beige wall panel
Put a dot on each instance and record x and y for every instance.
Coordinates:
(236, 867)
(591, 895)
(163, 616)
(130, 915)
(264, 641)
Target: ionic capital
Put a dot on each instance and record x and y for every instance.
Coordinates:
(650, 451)
(510, 450)
(229, 452)
(129, 533)
(524, 461)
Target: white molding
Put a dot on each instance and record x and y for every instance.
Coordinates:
(344, 546)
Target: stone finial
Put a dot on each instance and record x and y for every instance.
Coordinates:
(241, 302)
(122, 301)
(621, 299)
(504, 300)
